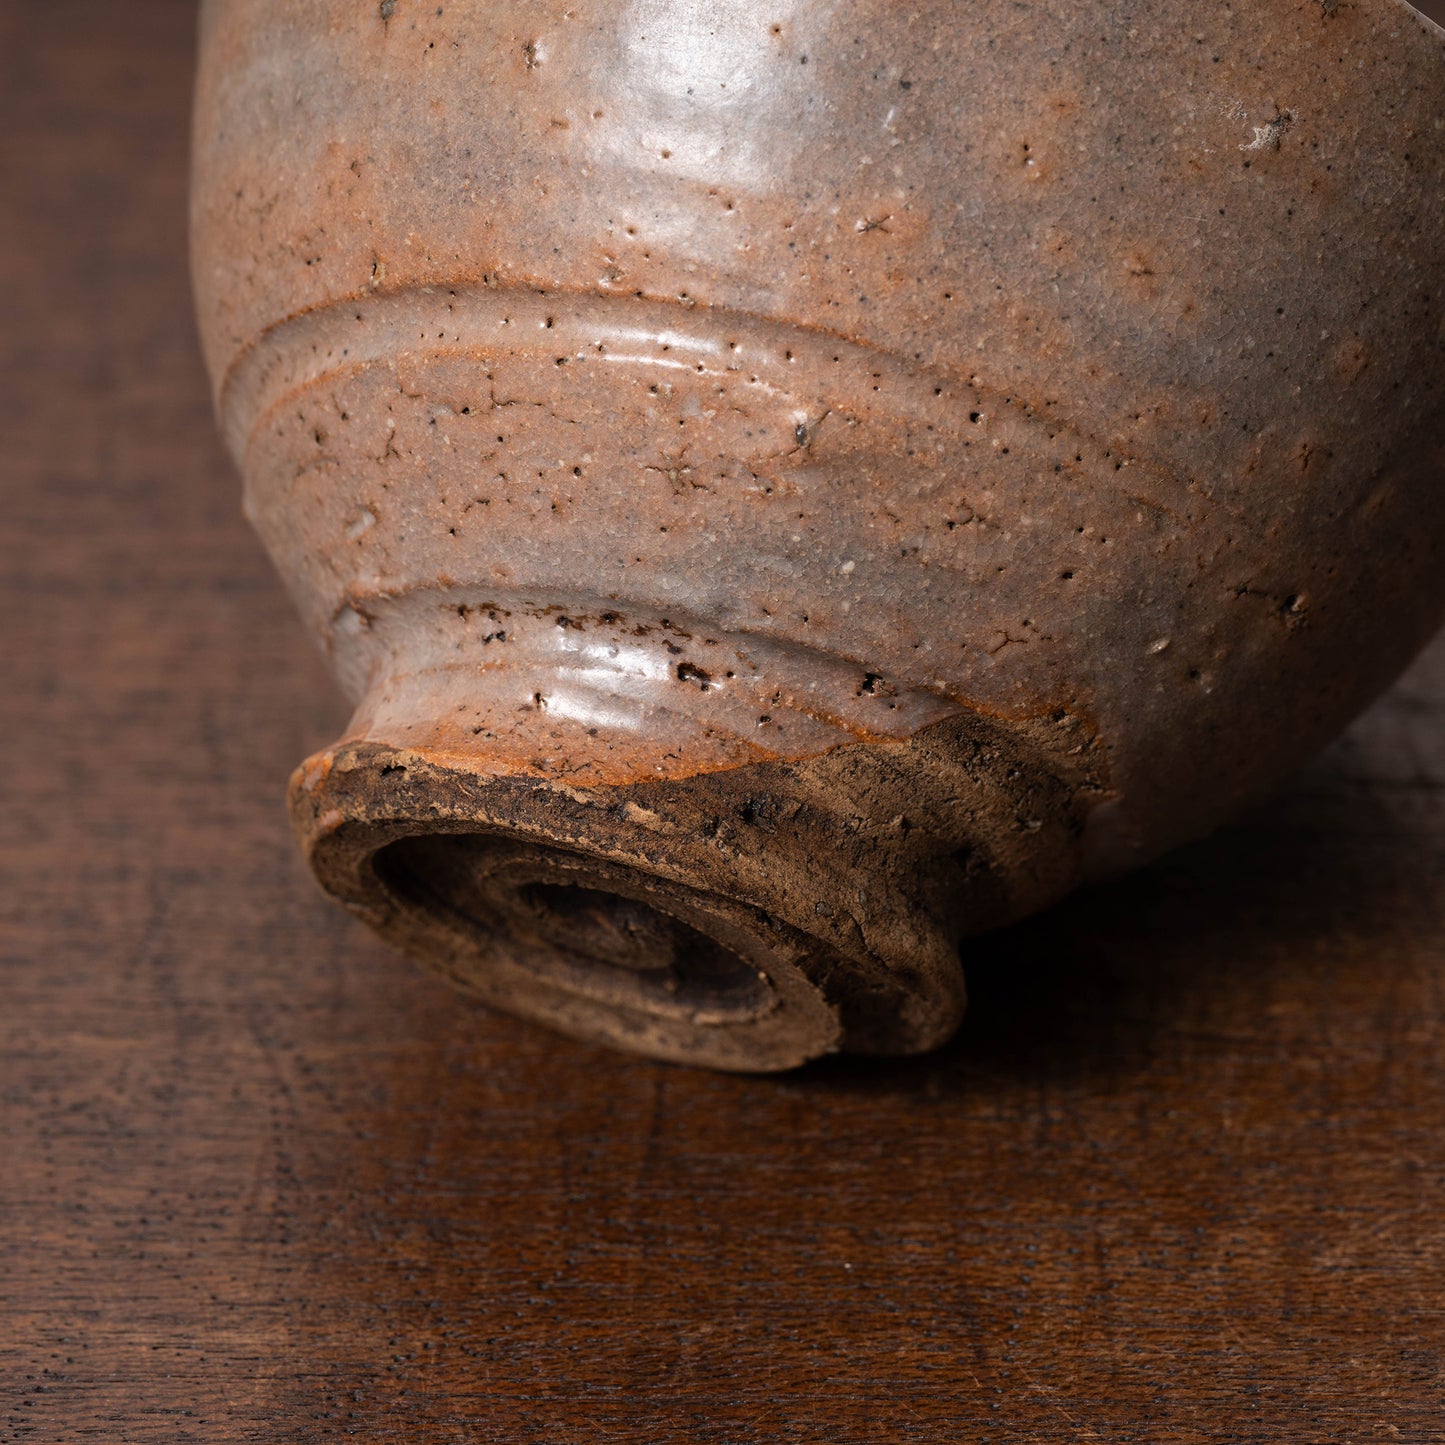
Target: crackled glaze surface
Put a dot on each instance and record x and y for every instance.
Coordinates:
(634, 392)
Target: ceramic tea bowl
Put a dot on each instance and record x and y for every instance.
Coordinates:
(789, 485)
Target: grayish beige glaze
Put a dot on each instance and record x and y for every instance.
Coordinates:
(641, 395)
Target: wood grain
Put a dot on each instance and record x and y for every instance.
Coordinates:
(1182, 1177)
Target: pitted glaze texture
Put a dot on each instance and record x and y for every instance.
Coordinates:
(998, 441)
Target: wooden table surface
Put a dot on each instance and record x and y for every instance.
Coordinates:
(1181, 1178)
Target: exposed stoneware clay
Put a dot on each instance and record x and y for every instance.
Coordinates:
(788, 485)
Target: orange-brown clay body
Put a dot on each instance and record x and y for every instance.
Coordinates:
(788, 485)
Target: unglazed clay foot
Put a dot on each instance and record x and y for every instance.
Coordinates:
(789, 485)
